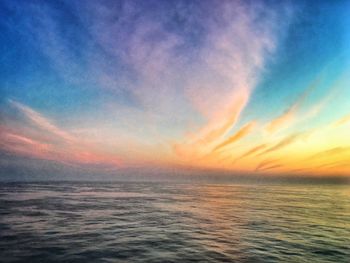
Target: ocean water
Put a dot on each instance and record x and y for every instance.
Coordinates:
(172, 222)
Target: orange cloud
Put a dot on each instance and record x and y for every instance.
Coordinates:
(199, 144)
(287, 117)
(342, 121)
(246, 129)
(283, 143)
(271, 167)
(252, 151)
(264, 164)
(220, 125)
(331, 152)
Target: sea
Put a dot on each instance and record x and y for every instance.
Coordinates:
(174, 222)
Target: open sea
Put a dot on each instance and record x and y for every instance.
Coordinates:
(173, 222)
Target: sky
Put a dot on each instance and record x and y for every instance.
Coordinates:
(244, 87)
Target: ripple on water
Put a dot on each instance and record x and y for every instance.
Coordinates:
(150, 222)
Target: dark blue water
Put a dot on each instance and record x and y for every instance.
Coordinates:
(168, 222)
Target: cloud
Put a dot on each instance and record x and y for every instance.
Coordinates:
(23, 145)
(208, 64)
(330, 152)
(342, 121)
(230, 64)
(252, 151)
(271, 167)
(68, 149)
(77, 153)
(284, 142)
(267, 164)
(181, 68)
(231, 61)
(343, 164)
(42, 121)
(245, 130)
(287, 118)
(19, 138)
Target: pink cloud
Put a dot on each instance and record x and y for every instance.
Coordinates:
(41, 121)
(69, 149)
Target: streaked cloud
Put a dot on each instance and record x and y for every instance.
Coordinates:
(221, 87)
(22, 145)
(68, 149)
(283, 143)
(342, 121)
(287, 118)
(252, 151)
(41, 121)
(267, 165)
(331, 152)
(242, 132)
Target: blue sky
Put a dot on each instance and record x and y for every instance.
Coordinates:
(163, 83)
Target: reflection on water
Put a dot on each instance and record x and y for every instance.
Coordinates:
(162, 222)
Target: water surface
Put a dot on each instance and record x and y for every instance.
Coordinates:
(172, 222)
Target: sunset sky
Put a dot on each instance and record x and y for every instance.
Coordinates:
(256, 87)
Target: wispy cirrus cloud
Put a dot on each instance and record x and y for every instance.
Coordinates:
(231, 62)
(267, 165)
(331, 152)
(23, 145)
(288, 117)
(186, 71)
(342, 121)
(242, 132)
(286, 141)
(41, 121)
(59, 144)
(252, 151)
